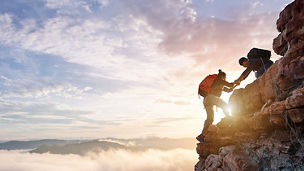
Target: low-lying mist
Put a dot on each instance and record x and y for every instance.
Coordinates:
(112, 160)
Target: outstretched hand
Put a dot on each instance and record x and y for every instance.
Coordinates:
(237, 82)
(234, 86)
(230, 89)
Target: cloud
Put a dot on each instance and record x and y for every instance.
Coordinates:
(121, 63)
(177, 102)
(21, 89)
(45, 118)
(177, 160)
(57, 4)
(256, 4)
(212, 38)
(87, 42)
(169, 120)
(176, 28)
(104, 2)
(186, 32)
(68, 7)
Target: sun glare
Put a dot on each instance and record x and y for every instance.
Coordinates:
(218, 112)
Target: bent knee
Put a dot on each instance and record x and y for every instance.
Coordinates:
(209, 120)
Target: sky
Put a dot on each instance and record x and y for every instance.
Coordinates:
(120, 68)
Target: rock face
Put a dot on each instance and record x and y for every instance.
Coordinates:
(268, 115)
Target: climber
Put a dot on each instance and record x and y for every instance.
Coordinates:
(211, 89)
(258, 60)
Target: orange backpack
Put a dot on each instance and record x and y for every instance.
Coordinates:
(205, 85)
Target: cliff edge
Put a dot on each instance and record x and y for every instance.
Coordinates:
(268, 115)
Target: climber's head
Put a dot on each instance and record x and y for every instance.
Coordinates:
(243, 61)
(221, 74)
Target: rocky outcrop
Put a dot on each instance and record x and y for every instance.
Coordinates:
(268, 115)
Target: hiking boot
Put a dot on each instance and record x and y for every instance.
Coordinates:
(201, 139)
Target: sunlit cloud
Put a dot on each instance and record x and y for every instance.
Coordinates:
(116, 160)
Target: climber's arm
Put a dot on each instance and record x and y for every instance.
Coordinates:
(243, 76)
(225, 83)
(228, 90)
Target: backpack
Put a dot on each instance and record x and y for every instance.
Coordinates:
(259, 53)
(205, 85)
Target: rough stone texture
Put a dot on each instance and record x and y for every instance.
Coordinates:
(296, 100)
(296, 115)
(277, 150)
(236, 159)
(213, 162)
(267, 131)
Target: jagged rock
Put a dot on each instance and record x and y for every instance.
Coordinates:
(205, 149)
(200, 165)
(277, 108)
(291, 75)
(213, 162)
(267, 131)
(296, 100)
(235, 159)
(280, 45)
(277, 120)
(259, 122)
(284, 17)
(270, 152)
(296, 115)
(244, 137)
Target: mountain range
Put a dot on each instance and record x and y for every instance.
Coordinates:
(83, 147)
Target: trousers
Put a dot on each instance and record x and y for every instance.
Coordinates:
(263, 68)
(209, 102)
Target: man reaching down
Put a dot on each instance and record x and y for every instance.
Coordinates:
(258, 61)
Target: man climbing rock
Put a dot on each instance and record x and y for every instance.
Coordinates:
(258, 61)
(211, 89)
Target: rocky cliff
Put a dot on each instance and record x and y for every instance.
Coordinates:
(268, 115)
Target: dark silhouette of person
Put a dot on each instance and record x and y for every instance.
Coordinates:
(213, 98)
(258, 65)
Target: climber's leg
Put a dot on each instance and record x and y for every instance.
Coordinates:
(209, 120)
(263, 69)
(220, 103)
(210, 115)
(207, 123)
(208, 103)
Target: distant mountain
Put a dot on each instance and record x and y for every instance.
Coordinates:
(83, 148)
(96, 146)
(23, 145)
(158, 143)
